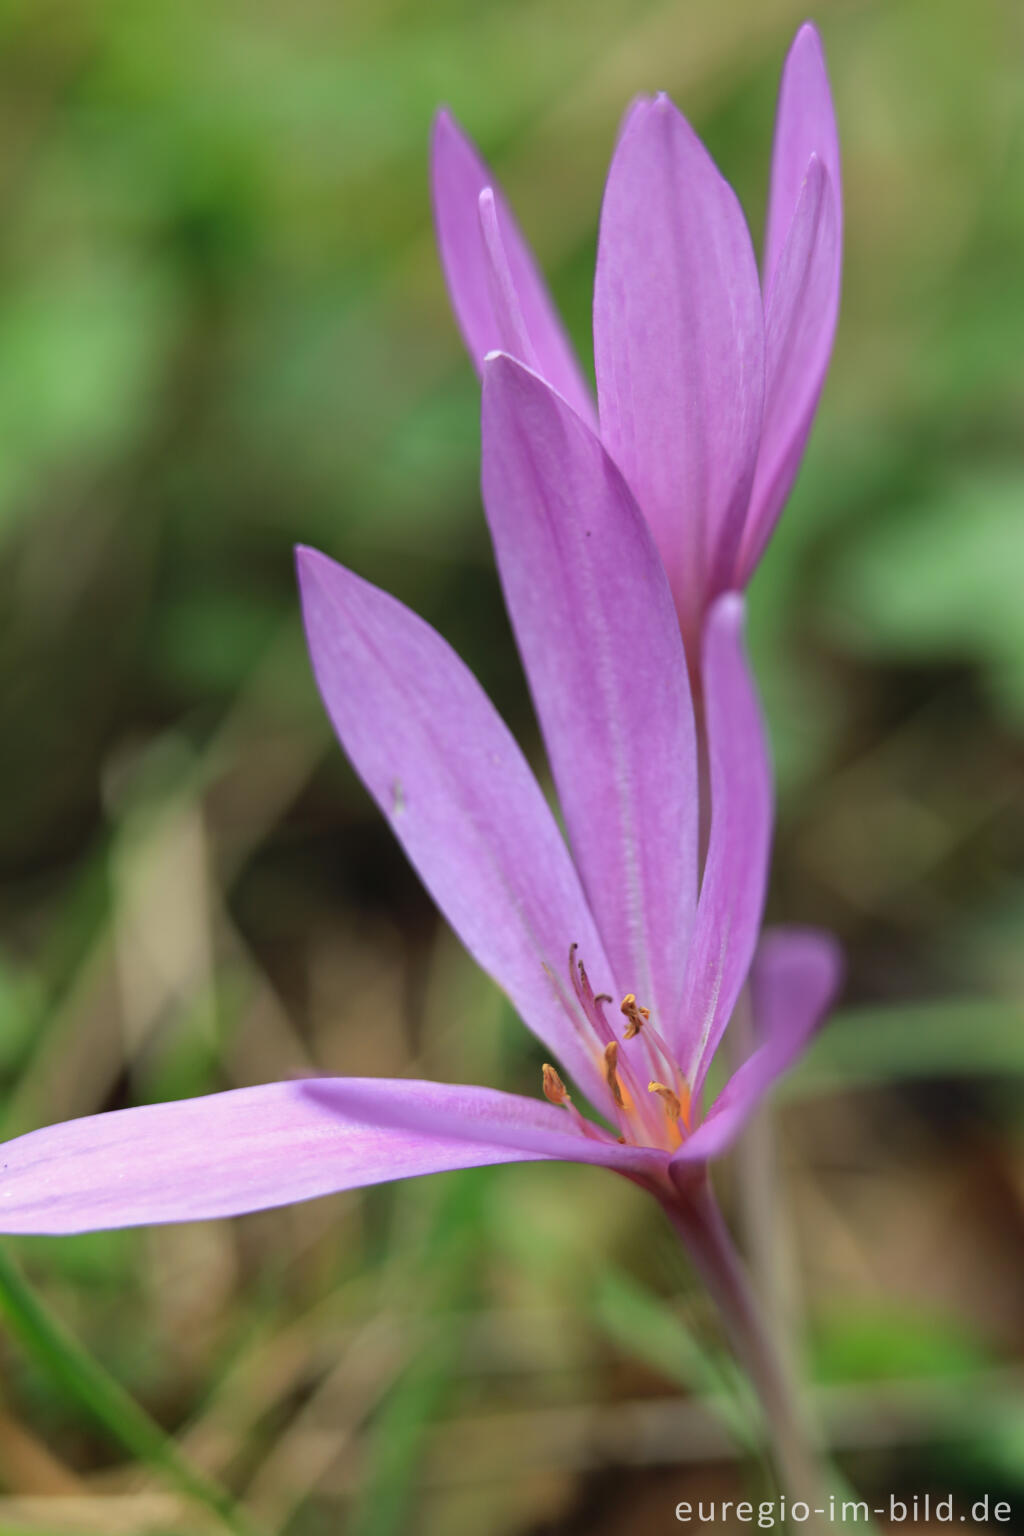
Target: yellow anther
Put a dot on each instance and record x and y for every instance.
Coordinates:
(636, 1017)
(611, 1062)
(555, 1090)
(673, 1108)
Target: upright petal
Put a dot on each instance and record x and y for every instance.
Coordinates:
(795, 978)
(253, 1148)
(599, 638)
(736, 868)
(481, 292)
(805, 125)
(459, 796)
(679, 348)
(800, 323)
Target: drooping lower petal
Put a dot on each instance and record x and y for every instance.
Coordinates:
(732, 892)
(794, 981)
(459, 796)
(805, 125)
(488, 308)
(600, 642)
(800, 323)
(679, 348)
(253, 1148)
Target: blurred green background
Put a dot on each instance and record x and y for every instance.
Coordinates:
(223, 330)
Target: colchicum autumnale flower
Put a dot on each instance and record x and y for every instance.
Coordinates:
(622, 968)
(625, 946)
(707, 379)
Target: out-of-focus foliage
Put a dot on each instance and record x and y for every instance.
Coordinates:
(222, 331)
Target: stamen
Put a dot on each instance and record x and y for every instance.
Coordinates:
(636, 1017)
(555, 1090)
(673, 1108)
(611, 1061)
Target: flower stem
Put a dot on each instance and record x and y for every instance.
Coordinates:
(696, 1217)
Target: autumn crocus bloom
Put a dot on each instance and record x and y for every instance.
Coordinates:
(625, 946)
(623, 962)
(707, 378)
(623, 952)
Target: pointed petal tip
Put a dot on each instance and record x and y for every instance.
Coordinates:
(807, 36)
(510, 388)
(450, 146)
(644, 108)
(444, 124)
(807, 54)
(637, 107)
(311, 563)
(817, 178)
(305, 560)
(321, 581)
(502, 370)
(500, 365)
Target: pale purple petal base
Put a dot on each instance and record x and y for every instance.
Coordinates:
(253, 1148)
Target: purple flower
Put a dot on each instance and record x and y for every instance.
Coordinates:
(623, 951)
(707, 379)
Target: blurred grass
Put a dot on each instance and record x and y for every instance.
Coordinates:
(223, 330)
(99, 1396)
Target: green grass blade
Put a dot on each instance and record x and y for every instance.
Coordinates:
(85, 1380)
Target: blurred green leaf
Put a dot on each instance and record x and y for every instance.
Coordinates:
(940, 581)
(80, 352)
(866, 1046)
(892, 1344)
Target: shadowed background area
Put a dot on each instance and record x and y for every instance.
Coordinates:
(223, 330)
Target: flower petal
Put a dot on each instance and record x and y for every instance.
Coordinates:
(599, 638)
(795, 978)
(805, 125)
(800, 323)
(679, 348)
(253, 1148)
(481, 293)
(736, 868)
(444, 769)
